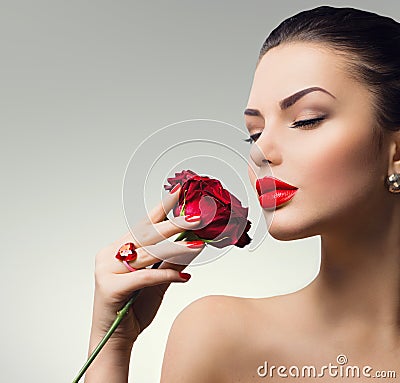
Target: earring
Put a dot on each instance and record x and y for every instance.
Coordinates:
(393, 183)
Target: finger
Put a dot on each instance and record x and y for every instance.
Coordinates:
(154, 233)
(179, 262)
(147, 277)
(174, 266)
(158, 213)
(166, 229)
(174, 252)
(127, 237)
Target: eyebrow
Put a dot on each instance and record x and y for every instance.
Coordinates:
(289, 101)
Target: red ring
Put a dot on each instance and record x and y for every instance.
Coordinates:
(127, 252)
(128, 266)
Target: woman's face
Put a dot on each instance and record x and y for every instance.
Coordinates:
(334, 164)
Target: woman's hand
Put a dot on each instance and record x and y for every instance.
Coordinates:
(115, 283)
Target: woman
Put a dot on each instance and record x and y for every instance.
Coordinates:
(324, 112)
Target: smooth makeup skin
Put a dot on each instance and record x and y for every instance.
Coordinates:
(352, 307)
(334, 164)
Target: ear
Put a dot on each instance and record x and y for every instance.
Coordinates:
(394, 153)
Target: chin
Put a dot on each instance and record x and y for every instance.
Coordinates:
(287, 235)
(290, 230)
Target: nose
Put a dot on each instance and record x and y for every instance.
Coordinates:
(266, 150)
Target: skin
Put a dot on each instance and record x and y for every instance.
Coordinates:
(114, 285)
(352, 307)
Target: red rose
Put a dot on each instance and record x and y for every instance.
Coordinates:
(179, 178)
(224, 219)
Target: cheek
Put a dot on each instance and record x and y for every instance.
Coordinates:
(339, 167)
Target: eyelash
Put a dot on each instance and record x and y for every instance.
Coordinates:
(309, 124)
(252, 138)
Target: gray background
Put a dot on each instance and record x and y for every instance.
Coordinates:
(82, 83)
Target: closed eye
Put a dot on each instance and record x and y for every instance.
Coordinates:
(305, 124)
(253, 138)
(308, 123)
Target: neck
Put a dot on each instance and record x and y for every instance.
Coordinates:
(359, 279)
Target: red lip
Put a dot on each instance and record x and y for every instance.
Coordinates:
(274, 192)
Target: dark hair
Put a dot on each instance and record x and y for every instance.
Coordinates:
(369, 42)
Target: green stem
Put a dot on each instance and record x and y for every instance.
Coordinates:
(120, 315)
(181, 236)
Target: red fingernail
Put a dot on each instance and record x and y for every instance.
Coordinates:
(175, 188)
(194, 244)
(185, 276)
(192, 218)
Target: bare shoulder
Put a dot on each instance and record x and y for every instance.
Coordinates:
(216, 315)
(204, 336)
